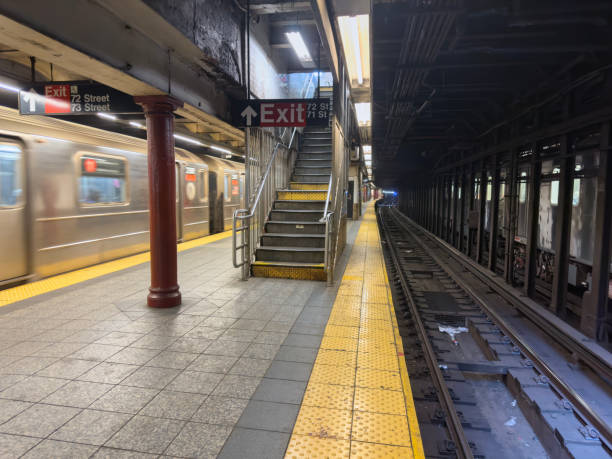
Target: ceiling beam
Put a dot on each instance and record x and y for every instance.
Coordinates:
(280, 7)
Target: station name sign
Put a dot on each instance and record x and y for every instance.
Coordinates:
(74, 98)
(281, 113)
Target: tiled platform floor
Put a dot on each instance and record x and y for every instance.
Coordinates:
(358, 402)
(90, 371)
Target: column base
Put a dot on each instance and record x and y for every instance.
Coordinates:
(164, 298)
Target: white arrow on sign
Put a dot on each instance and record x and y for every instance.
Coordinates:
(30, 98)
(249, 113)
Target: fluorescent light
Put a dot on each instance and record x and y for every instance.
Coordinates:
(367, 149)
(107, 116)
(364, 116)
(136, 125)
(188, 139)
(355, 34)
(297, 42)
(222, 150)
(8, 87)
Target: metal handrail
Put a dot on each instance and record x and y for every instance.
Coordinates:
(329, 185)
(240, 214)
(331, 265)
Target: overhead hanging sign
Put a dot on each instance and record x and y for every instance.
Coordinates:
(74, 98)
(281, 113)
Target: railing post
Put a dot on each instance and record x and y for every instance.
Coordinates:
(532, 222)
(246, 233)
(561, 241)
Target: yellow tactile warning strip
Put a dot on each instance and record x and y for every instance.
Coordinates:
(358, 402)
(22, 292)
(298, 195)
(315, 272)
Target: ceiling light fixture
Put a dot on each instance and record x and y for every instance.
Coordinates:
(355, 34)
(301, 51)
(188, 140)
(107, 116)
(137, 125)
(222, 150)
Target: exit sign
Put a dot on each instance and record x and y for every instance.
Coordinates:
(74, 98)
(281, 113)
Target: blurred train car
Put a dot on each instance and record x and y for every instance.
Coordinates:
(73, 196)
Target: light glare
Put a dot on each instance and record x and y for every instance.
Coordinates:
(8, 87)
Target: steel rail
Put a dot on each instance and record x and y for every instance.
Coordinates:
(579, 404)
(573, 344)
(455, 427)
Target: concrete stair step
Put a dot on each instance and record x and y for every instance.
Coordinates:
(295, 215)
(313, 162)
(317, 138)
(300, 205)
(291, 254)
(287, 270)
(310, 185)
(312, 170)
(303, 156)
(316, 149)
(295, 227)
(293, 240)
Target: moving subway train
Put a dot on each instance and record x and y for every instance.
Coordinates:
(72, 196)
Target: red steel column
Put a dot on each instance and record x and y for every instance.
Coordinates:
(159, 112)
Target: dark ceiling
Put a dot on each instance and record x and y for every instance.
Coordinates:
(446, 71)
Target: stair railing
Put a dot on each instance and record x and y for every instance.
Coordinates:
(333, 216)
(265, 191)
(327, 214)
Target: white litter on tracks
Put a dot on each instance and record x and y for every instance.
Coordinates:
(452, 331)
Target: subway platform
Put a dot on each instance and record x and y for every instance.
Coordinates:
(267, 368)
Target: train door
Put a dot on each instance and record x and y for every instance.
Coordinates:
(213, 201)
(13, 243)
(179, 203)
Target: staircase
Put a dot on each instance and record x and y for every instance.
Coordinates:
(293, 244)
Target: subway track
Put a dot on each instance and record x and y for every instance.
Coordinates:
(487, 381)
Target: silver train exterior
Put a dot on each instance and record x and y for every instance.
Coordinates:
(73, 196)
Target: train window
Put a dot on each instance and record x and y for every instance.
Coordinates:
(203, 185)
(191, 183)
(102, 180)
(235, 185)
(10, 175)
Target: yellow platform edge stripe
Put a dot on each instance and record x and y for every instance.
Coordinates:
(344, 414)
(49, 284)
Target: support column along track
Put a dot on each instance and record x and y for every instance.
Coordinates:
(484, 392)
